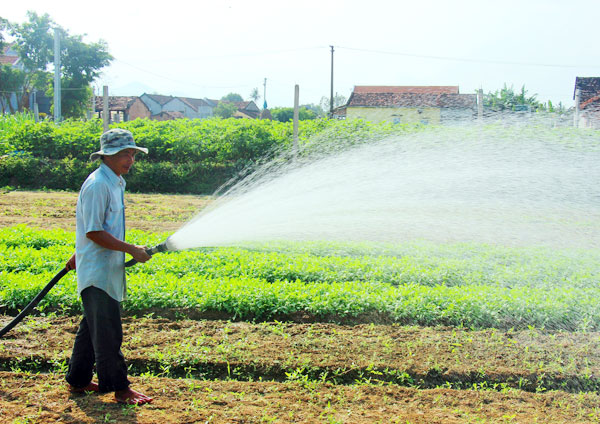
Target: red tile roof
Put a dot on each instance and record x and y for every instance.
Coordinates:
(589, 87)
(407, 89)
(387, 99)
(591, 103)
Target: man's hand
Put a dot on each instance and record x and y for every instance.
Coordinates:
(71, 263)
(108, 241)
(139, 253)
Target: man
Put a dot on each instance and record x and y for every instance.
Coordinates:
(100, 249)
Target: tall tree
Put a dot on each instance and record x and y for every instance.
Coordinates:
(11, 81)
(506, 99)
(3, 28)
(34, 43)
(225, 109)
(338, 100)
(254, 94)
(233, 97)
(81, 63)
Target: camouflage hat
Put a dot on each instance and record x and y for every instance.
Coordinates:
(115, 140)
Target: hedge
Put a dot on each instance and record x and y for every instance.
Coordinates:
(185, 156)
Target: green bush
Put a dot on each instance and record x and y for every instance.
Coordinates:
(185, 156)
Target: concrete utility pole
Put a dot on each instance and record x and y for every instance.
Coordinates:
(92, 111)
(331, 94)
(480, 104)
(36, 110)
(105, 111)
(265, 94)
(577, 100)
(57, 94)
(296, 116)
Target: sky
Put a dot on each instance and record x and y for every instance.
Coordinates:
(207, 49)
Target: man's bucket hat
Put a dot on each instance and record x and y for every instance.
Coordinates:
(115, 140)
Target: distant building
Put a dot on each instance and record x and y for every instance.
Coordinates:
(122, 108)
(163, 108)
(10, 57)
(589, 101)
(409, 104)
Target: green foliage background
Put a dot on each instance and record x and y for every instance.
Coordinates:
(185, 156)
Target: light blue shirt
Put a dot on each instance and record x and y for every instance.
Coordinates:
(100, 207)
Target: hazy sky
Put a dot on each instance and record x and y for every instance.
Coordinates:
(211, 48)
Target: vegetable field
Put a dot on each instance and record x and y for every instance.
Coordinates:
(313, 332)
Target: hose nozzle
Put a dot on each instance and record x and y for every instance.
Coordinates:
(159, 248)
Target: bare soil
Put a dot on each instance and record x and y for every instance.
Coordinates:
(238, 372)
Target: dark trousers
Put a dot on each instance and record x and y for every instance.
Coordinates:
(98, 340)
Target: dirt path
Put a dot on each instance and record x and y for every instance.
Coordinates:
(44, 399)
(56, 209)
(220, 371)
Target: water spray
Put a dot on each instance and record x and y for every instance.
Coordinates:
(159, 248)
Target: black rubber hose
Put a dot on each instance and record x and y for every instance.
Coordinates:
(34, 302)
(45, 291)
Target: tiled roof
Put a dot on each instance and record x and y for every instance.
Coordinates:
(591, 103)
(115, 103)
(412, 100)
(9, 56)
(407, 89)
(169, 115)
(589, 86)
(8, 60)
(160, 99)
(195, 102)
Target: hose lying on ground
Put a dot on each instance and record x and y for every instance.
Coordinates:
(162, 247)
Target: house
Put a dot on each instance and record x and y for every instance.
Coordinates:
(587, 103)
(122, 108)
(162, 108)
(10, 57)
(188, 107)
(409, 104)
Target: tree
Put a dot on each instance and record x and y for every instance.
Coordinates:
(286, 114)
(507, 100)
(11, 81)
(34, 43)
(81, 63)
(317, 109)
(254, 95)
(3, 28)
(338, 100)
(225, 109)
(233, 97)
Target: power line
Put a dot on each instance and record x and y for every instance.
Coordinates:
(470, 60)
(230, 55)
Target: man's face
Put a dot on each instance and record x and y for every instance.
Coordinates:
(121, 162)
